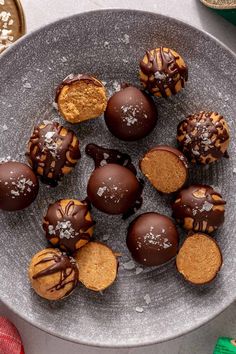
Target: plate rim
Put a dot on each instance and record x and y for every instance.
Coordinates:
(14, 47)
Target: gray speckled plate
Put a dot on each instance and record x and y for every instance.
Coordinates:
(110, 45)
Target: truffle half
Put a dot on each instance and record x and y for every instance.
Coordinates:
(163, 72)
(199, 259)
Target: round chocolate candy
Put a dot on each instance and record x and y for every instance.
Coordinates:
(68, 224)
(53, 275)
(163, 72)
(113, 189)
(53, 150)
(18, 186)
(152, 239)
(199, 208)
(203, 137)
(130, 114)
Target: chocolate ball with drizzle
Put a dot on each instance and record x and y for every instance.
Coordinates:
(68, 224)
(53, 150)
(53, 275)
(203, 137)
(18, 186)
(199, 208)
(163, 72)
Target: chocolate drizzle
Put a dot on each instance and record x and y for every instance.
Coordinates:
(201, 204)
(50, 151)
(62, 264)
(103, 156)
(68, 225)
(201, 137)
(163, 71)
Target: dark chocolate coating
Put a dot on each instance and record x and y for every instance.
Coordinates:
(113, 189)
(52, 152)
(130, 114)
(18, 186)
(67, 225)
(201, 137)
(152, 239)
(199, 208)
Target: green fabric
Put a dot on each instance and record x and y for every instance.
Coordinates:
(229, 15)
(224, 346)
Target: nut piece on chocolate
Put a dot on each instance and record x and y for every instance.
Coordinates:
(199, 208)
(165, 167)
(199, 259)
(203, 137)
(113, 189)
(53, 275)
(130, 114)
(163, 72)
(53, 150)
(81, 97)
(98, 266)
(18, 186)
(152, 239)
(68, 224)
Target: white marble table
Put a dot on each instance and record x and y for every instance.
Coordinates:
(201, 341)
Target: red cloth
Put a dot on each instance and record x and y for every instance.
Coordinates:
(10, 340)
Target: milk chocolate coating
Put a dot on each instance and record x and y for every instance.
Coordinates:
(130, 114)
(113, 189)
(152, 239)
(53, 151)
(67, 225)
(203, 137)
(18, 186)
(199, 208)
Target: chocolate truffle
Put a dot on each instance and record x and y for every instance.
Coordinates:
(203, 137)
(163, 72)
(53, 150)
(113, 189)
(152, 239)
(130, 114)
(53, 275)
(165, 167)
(97, 266)
(199, 208)
(81, 97)
(199, 259)
(18, 186)
(68, 224)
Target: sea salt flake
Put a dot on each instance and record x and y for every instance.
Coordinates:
(138, 270)
(139, 309)
(147, 299)
(130, 265)
(106, 44)
(116, 85)
(63, 59)
(101, 190)
(2, 2)
(4, 127)
(55, 105)
(207, 206)
(27, 85)
(159, 76)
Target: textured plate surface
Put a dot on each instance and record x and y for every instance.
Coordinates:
(110, 45)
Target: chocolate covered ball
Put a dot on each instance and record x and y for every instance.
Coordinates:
(113, 189)
(152, 239)
(163, 72)
(130, 114)
(68, 224)
(53, 275)
(199, 208)
(203, 137)
(18, 186)
(53, 150)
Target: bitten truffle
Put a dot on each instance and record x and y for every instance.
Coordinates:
(203, 137)
(199, 259)
(165, 167)
(81, 97)
(113, 189)
(53, 275)
(53, 150)
(163, 72)
(130, 114)
(98, 266)
(199, 208)
(68, 224)
(152, 239)
(18, 186)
